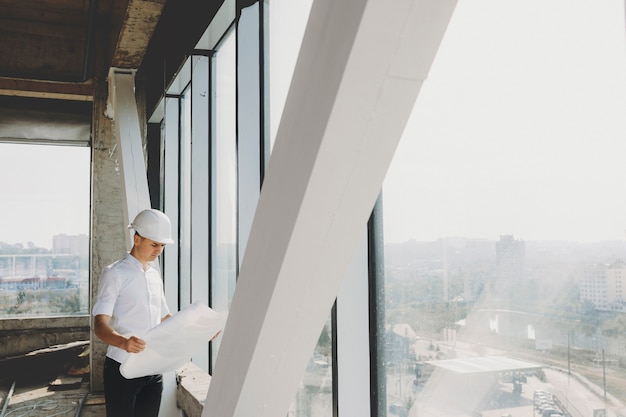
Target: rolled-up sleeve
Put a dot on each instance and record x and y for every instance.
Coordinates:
(108, 291)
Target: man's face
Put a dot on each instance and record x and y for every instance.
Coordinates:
(147, 250)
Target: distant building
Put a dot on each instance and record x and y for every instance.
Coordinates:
(510, 258)
(592, 286)
(604, 286)
(71, 245)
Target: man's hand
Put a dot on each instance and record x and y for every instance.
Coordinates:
(109, 336)
(134, 345)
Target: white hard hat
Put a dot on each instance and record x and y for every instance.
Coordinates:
(154, 225)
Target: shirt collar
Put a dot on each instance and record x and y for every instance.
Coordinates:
(135, 261)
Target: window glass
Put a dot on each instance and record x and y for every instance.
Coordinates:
(504, 219)
(200, 164)
(44, 230)
(287, 23)
(185, 200)
(200, 179)
(315, 393)
(224, 230)
(251, 138)
(170, 137)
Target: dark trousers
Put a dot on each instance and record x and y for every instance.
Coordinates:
(137, 397)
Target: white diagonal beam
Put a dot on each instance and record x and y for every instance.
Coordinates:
(130, 146)
(360, 68)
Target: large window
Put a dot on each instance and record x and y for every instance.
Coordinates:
(224, 181)
(184, 200)
(44, 230)
(505, 217)
(287, 23)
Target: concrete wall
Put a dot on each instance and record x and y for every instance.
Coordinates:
(25, 335)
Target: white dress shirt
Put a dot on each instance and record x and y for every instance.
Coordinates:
(133, 298)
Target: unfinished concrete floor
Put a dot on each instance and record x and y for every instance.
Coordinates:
(40, 401)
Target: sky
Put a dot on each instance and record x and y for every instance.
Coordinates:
(44, 191)
(519, 129)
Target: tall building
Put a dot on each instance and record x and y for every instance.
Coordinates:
(603, 285)
(510, 257)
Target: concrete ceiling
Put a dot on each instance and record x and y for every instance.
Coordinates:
(55, 48)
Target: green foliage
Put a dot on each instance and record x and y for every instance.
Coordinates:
(42, 302)
(66, 303)
(614, 326)
(19, 249)
(589, 318)
(20, 306)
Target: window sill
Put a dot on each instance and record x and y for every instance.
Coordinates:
(192, 387)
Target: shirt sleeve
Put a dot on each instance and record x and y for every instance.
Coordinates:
(108, 291)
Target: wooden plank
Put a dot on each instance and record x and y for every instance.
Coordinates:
(47, 89)
(41, 365)
(17, 29)
(71, 13)
(46, 4)
(64, 383)
(28, 48)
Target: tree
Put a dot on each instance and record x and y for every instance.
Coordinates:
(589, 318)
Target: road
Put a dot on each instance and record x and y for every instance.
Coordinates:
(581, 397)
(577, 395)
(578, 398)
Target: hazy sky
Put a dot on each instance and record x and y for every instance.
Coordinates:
(519, 129)
(44, 191)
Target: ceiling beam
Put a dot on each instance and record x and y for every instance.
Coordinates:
(139, 23)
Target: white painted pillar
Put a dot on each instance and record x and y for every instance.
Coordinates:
(353, 353)
(360, 69)
(130, 144)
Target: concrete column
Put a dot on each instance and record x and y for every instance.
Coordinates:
(107, 217)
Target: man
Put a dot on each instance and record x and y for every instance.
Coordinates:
(130, 302)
